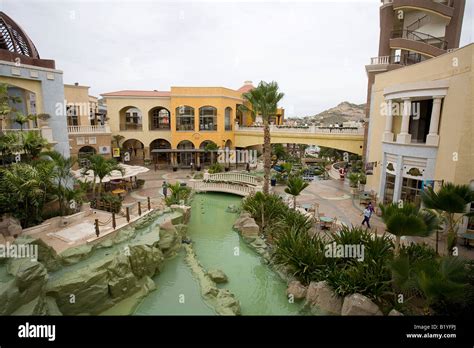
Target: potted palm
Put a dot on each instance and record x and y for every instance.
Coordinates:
(362, 182)
(353, 182)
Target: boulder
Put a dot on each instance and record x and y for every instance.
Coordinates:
(243, 218)
(249, 230)
(322, 299)
(10, 297)
(10, 226)
(52, 306)
(145, 260)
(227, 304)
(74, 255)
(217, 276)
(357, 304)
(395, 313)
(37, 306)
(232, 209)
(169, 242)
(27, 273)
(296, 289)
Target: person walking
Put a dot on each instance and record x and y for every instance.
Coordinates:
(165, 189)
(367, 215)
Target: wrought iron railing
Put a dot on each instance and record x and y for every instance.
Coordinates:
(420, 37)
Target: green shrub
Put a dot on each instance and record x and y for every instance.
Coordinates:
(265, 209)
(178, 193)
(216, 168)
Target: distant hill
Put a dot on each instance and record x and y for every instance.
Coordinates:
(343, 112)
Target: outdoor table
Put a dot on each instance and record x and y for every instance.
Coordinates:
(326, 221)
(118, 192)
(468, 237)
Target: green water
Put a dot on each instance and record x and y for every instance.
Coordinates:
(259, 290)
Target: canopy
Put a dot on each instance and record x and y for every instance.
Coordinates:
(129, 171)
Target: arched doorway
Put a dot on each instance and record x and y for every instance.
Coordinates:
(135, 148)
(83, 155)
(228, 144)
(228, 118)
(160, 157)
(207, 157)
(185, 157)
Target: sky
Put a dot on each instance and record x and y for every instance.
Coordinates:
(315, 50)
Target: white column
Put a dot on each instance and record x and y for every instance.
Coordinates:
(433, 136)
(388, 134)
(403, 137)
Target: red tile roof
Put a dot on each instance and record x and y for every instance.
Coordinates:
(245, 88)
(135, 93)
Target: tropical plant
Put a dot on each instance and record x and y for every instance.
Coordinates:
(62, 178)
(450, 202)
(353, 179)
(264, 102)
(279, 151)
(216, 168)
(117, 139)
(33, 144)
(295, 185)
(101, 167)
(266, 209)
(24, 191)
(178, 193)
(408, 220)
(212, 148)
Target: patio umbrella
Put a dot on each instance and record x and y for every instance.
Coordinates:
(129, 171)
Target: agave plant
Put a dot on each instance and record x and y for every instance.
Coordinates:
(408, 220)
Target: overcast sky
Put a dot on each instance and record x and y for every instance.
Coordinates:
(315, 50)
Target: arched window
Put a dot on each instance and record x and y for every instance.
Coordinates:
(130, 119)
(208, 118)
(160, 119)
(184, 118)
(228, 119)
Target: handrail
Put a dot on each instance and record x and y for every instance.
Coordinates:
(88, 129)
(418, 22)
(237, 189)
(406, 59)
(305, 130)
(419, 36)
(238, 178)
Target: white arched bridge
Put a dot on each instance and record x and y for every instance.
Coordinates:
(349, 139)
(235, 183)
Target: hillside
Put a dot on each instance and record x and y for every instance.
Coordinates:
(343, 112)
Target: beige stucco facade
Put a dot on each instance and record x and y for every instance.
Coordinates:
(439, 146)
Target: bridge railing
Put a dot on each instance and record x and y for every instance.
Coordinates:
(303, 130)
(238, 178)
(241, 190)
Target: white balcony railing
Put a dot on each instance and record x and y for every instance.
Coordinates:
(88, 129)
(238, 178)
(380, 60)
(304, 130)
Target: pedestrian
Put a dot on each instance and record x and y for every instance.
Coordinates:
(367, 214)
(248, 167)
(165, 189)
(371, 207)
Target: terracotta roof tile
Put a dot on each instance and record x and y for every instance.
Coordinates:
(135, 93)
(245, 88)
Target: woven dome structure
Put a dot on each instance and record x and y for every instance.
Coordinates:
(14, 39)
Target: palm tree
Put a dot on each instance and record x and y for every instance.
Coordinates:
(408, 220)
(63, 178)
(264, 101)
(21, 119)
(23, 191)
(117, 139)
(103, 167)
(295, 186)
(448, 201)
(33, 143)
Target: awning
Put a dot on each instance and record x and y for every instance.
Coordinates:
(130, 171)
(181, 150)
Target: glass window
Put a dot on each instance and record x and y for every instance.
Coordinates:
(208, 118)
(184, 118)
(228, 119)
(389, 188)
(160, 119)
(411, 191)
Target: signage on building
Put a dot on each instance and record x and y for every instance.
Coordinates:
(104, 150)
(369, 168)
(116, 152)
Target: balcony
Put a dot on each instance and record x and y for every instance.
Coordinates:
(441, 7)
(411, 40)
(406, 59)
(88, 129)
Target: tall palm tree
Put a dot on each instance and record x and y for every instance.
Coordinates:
(295, 186)
(117, 139)
(62, 176)
(264, 102)
(103, 167)
(449, 201)
(408, 220)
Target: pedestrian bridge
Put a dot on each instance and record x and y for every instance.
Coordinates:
(235, 183)
(345, 139)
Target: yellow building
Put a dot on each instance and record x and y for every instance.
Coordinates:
(421, 127)
(87, 130)
(175, 127)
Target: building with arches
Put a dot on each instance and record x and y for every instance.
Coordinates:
(174, 127)
(37, 82)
